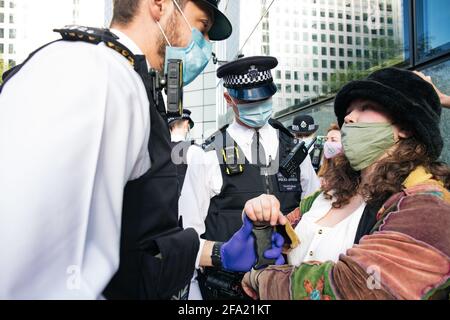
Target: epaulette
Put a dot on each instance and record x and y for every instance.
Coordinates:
(210, 144)
(96, 36)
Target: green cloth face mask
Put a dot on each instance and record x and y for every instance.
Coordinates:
(365, 143)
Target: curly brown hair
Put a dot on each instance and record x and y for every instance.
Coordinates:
(386, 178)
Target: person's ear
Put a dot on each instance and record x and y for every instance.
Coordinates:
(404, 133)
(156, 8)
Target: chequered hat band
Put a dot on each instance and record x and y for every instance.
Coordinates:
(246, 79)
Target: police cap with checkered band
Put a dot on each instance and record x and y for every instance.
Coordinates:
(249, 79)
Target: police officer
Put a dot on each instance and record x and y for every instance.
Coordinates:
(79, 123)
(239, 162)
(180, 127)
(304, 129)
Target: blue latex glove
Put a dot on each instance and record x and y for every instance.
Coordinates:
(239, 253)
(277, 249)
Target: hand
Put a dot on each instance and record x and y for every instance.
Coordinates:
(445, 100)
(239, 253)
(248, 287)
(265, 208)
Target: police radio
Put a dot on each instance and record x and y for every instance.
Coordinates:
(316, 156)
(295, 158)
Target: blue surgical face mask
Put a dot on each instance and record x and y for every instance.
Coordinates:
(255, 114)
(195, 56)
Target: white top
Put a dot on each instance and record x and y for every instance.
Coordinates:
(175, 137)
(74, 128)
(203, 179)
(323, 244)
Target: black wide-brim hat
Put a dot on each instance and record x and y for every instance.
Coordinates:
(221, 28)
(409, 99)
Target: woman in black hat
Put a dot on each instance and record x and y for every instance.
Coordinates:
(391, 138)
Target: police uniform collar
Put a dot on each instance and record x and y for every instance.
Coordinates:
(129, 43)
(247, 134)
(177, 138)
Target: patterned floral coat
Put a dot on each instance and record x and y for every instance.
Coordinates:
(406, 256)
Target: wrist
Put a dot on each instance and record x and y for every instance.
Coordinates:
(216, 255)
(254, 279)
(445, 100)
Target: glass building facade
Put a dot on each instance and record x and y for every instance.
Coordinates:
(323, 44)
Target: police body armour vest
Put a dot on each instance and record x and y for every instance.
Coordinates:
(225, 210)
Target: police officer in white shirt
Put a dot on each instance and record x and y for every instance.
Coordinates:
(75, 129)
(240, 162)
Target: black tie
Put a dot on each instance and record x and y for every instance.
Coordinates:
(258, 152)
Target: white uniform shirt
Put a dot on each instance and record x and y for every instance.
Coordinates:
(323, 244)
(204, 181)
(74, 128)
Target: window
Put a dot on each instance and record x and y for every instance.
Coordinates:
(278, 87)
(288, 75)
(330, 37)
(433, 29)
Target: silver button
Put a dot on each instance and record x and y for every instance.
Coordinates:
(320, 231)
(311, 253)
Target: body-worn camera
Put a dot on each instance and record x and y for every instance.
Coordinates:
(174, 87)
(172, 83)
